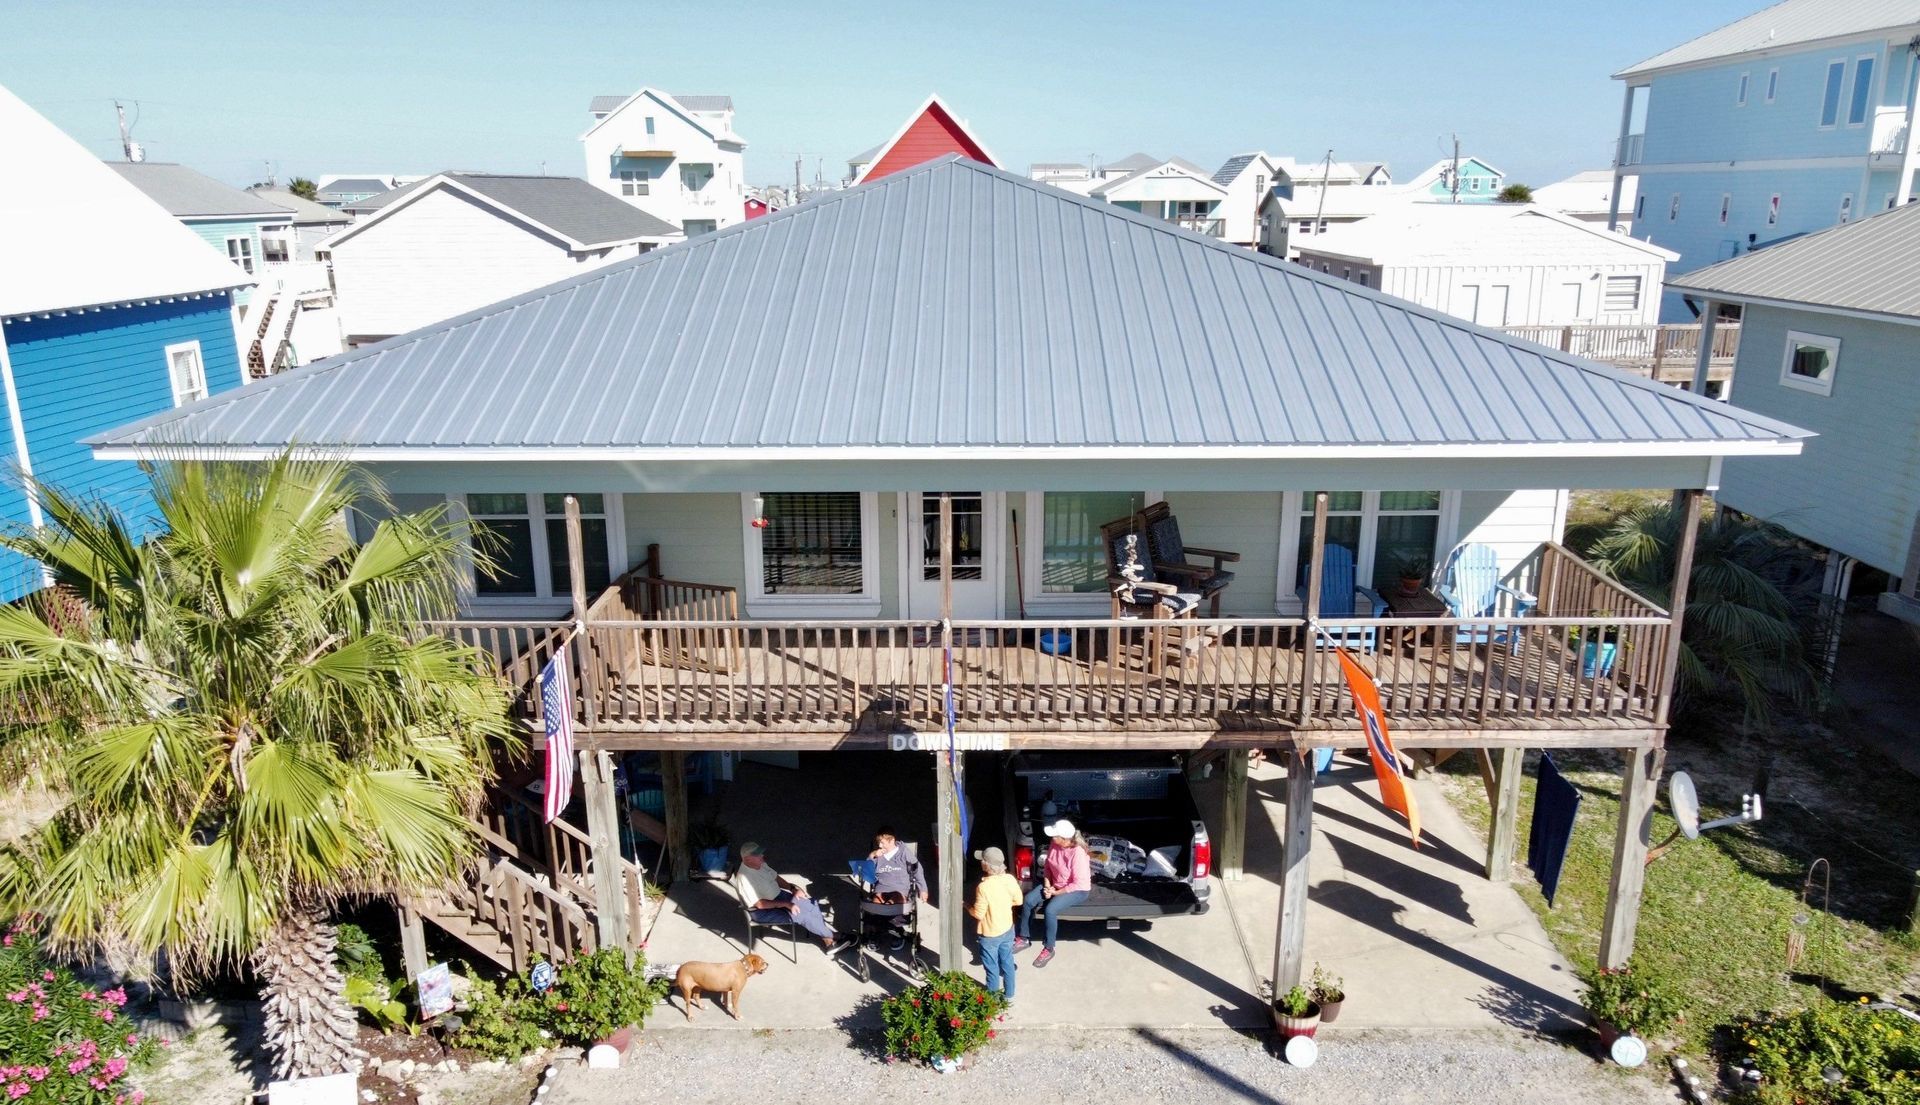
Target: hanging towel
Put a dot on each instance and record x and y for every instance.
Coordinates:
(1555, 805)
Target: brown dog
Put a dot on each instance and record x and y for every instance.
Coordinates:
(716, 978)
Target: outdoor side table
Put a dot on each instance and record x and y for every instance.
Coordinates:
(1424, 604)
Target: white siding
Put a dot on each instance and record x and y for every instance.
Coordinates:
(442, 255)
(721, 200)
(1514, 523)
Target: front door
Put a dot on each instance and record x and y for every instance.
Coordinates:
(978, 537)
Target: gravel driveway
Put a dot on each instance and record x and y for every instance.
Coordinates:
(1115, 1066)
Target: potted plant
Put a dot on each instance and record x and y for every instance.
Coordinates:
(1629, 1002)
(1413, 574)
(941, 1021)
(1599, 644)
(1328, 991)
(710, 843)
(1295, 1013)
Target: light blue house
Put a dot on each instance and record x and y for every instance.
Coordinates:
(1830, 323)
(1791, 120)
(109, 309)
(226, 218)
(1479, 181)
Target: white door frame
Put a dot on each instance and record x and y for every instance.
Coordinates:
(993, 560)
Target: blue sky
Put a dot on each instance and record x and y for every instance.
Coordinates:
(417, 86)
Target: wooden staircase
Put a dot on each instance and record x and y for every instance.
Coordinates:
(532, 895)
(256, 353)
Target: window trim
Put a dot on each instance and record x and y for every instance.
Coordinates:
(199, 360)
(1773, 84)
(1853, 95)
(1740, 97)
(1639, 293)
(1840, 99)
(245, 259)
(640, 180)
(1822, 386)
(1726, 206)
(866, 604)
(542, 600)
(1294, 517)
(1673, 208)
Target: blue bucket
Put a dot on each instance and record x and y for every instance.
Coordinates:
(1056, 642)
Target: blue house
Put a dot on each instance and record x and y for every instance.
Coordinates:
(1829, 325)
(109, 309)
(226, 218)
(1791, 120)
(1479, 181)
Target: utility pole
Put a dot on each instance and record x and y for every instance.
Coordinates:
(797, 159)
(128, 147)
(269, 164)
(1456, 168)
(1326, 174)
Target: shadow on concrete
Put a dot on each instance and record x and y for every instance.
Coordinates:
(1442, 895)
(1396, 835)
(1531, 1005)
(1236, 1002)
(1232, 1087)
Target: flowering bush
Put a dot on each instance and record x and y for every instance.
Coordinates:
(1633, 1000)
(1835, 1054)
(946, 1018)
(61, 1042)
(597, 994)
(500, 1022)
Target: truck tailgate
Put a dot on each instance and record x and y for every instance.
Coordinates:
(1136, 898)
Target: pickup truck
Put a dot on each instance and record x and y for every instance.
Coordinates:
(1138, 797)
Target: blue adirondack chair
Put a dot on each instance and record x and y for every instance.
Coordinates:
(1340, 594)
(1471, 587)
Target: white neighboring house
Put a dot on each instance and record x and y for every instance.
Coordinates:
(675, 157)
(1588, 196)
(311, 224)
(1177, 191)
(457, 241)
(1247, 177)
(1498, 265)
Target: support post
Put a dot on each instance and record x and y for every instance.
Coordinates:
(1506, 814)
(603, 829)
(952, 950)
(1316, 570)
(588, 680)
(1687, 505)
(1703, 360)
(1620, 158)
(1631, 839)
(1913, 907)
(1233, 844)
(673, 776)
(413, 942)
(1296, 838)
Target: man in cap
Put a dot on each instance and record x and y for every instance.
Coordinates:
(994, 901)
(781, 901)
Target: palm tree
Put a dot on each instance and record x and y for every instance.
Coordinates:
(1743, 628)
(1515, 193)
(247, 726)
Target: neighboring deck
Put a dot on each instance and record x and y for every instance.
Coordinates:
(664, 664)
(1668, 352)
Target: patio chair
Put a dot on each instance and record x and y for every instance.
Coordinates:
(1137, 592)
(1471, 587)
(1170, 557)
(1340, 597)
(792, 927)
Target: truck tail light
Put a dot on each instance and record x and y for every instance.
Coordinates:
(1023, 862)
(1202, 853)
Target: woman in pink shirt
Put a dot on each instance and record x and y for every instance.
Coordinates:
(1065, 879)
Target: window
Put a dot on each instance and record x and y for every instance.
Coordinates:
(186, 372)
(1622, 293)
(273, 251)
(1362, 278)
(1830, 99)
(1673, 207)
(1846, 207)
(692, 227)
(1810, 362)
(1740, 99)
(1639, 205)
(1570, 296)
(1773, 210)
(817, 549)
(1773, 83)
(1322, 228)
(1306, 226)
(649, 126)
(1886, 202)
(526, 537)
(1726, 206)
(633, 182)
(1381, 528)
(1346, 272)
(1862, 91)
(240, 251)
(1072, 560)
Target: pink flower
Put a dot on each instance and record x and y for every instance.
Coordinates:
(17, 996)
(18, 1090)
(115, 1068)
(133, 1039)
(38, 1074)
(6, 941)
(88, 995)
(106, 1015)
(39, 1011)
(46, 976)
(117, 995)
(78, 1065)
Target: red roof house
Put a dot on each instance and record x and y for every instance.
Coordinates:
(756, 208)
(933, 131)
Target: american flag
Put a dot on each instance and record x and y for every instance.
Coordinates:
(556, 702)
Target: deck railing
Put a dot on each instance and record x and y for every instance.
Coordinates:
(1665, 351)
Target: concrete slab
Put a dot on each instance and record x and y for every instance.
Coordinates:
(1421, 937)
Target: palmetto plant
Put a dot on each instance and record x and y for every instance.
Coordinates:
(1743, 630)
(248, 728)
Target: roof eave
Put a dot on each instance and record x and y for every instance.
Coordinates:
(1724, 295)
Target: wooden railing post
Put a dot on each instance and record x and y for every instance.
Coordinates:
(1703, 359)
(1315, 573)
(1688, 507)
(589, 676)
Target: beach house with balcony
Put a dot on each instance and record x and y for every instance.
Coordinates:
(1791, 120)
(675, 157)
(1177, 191)
(754, 482)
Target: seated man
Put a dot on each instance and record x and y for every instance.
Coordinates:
(774, 900)
(898, 882)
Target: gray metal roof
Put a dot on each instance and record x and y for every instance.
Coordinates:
(189, 193)
(1784, 25)
(600, 105)
(950, 304)
(1871, 265)
(866, 156)
(1132, 163)
(305, 212)
(566, 205)
(355, 186)
(1232, 168)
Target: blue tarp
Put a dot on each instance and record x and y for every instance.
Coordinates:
(1555, 805)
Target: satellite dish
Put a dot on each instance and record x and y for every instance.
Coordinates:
(1301, 1051)
(1628, 1051)
(1686, 804)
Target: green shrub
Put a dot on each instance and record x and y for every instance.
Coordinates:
(1634, 1000)
(1835, 1054)
(380, 1001)
(60, 1041)
(357, 954)
(500, 1022)
(946, 1018)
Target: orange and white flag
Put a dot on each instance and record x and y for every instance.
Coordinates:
(1386, 764)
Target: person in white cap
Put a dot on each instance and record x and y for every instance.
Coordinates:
(1065, 879)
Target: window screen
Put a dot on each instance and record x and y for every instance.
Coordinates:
(1072, 559)
(812, 543)
(593, 544)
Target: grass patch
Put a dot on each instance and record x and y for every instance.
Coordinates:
(1718, 913)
